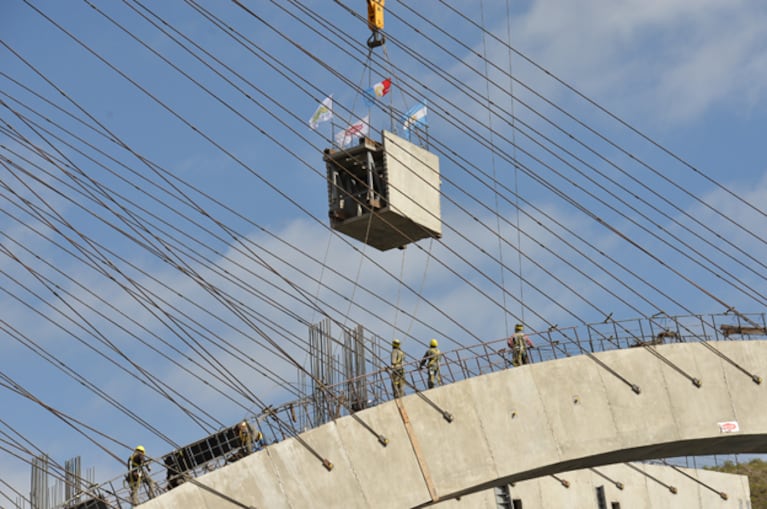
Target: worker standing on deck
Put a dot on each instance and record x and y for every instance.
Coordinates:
(431, 360)
(397, 369)
(259, 441)
(175, 468)
(519, 343)
(245, 433)
(138, 468)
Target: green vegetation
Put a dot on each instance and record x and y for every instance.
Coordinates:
(756, 470)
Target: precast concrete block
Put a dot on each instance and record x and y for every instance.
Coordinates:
(186, 495)
(746, 395)
(646, 416)
(446, 444)
(389, 476)
(551, 491)
(253, 481)
(697, 410)
(513, 420)
(480, 500)
(576, 405)
(304, 479)
(570, 410)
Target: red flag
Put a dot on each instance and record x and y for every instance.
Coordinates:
(380, 89)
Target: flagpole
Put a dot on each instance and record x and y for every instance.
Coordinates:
(426, 125)
(332, 121)
(391, 110)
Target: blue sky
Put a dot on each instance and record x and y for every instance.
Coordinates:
(690, 74)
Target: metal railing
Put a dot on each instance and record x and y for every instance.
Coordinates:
(287, 420)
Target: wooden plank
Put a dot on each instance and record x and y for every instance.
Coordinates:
(417, 451)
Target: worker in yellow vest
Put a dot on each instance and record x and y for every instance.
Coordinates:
(431, 360)
(519, 344)
(397, 369)
(138, 474)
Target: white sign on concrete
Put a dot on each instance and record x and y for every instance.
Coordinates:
(728, 427)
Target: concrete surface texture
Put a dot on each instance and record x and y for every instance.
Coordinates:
(642, 486)
(509, 426)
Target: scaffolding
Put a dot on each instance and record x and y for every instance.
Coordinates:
(343, 373)
(338, 372)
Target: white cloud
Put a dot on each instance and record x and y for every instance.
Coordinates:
(674, 58)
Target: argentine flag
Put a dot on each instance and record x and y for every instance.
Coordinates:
(415, 117)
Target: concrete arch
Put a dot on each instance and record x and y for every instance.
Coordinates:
(511, 425)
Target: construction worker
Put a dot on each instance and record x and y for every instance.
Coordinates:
(138, 466)
(245, 433)
(397, 369)
(175, 467)
(259, 442)
(519, 343)
(431, 359)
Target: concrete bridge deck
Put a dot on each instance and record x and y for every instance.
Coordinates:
(510, 425)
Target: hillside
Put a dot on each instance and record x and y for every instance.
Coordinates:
(756, 470)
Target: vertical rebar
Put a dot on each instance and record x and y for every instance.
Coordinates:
(360, 360)
(38, 495)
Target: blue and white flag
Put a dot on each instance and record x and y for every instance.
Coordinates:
(415, 117)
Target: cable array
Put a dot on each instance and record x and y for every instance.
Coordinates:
(161, 253)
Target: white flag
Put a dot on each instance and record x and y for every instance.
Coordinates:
(323, 114)
(356, 130)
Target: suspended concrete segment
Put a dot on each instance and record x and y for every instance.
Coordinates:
(508, 426)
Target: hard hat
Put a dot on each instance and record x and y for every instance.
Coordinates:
(395, 342)
(433, 342)
(140, 448)
(518, 327)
